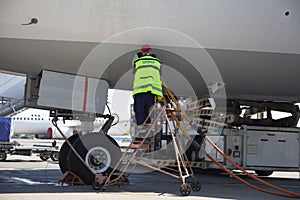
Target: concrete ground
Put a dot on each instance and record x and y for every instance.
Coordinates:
(30, 178)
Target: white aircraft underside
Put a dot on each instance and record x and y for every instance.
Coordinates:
(252, 47)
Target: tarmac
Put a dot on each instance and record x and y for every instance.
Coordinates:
(28, 177)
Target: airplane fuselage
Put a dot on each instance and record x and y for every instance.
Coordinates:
(252, 47)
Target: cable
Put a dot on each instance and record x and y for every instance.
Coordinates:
(45, 171)
(117, 121)
(108, 108)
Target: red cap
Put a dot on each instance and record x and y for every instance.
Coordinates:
(146, 48)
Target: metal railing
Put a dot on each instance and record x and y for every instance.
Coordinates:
(10, 107)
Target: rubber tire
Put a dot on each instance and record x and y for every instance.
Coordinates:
(3, 156)
(82, 145)
(185, 189)
(196, 186)
(96, 186)
(54, 156)
(63, 153)
(44, 156)
(263, 173)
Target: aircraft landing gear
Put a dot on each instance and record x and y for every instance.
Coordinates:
(89, 154)
(100, 152)
(63, 154)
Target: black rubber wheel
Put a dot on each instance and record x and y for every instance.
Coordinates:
(3, 155)
(263, 173)
(44, 156)
(63, 154)
(185, 189)
(96, 186)
(54, 156)
(196, 186)
(99, 151)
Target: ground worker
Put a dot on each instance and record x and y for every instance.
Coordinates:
(147, 84)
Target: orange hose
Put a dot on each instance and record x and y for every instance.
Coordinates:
(245, 182)
(290, 194)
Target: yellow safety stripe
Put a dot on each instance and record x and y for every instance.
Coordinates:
(147, 86)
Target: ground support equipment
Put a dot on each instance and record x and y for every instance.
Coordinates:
(44, 151)
(141, 148)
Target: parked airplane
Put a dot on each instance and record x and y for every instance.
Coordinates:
(72, 51)
(35, 122)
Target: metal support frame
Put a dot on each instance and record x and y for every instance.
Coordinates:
(71, 179)
(127, 162)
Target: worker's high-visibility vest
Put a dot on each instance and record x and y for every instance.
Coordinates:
(147, 76)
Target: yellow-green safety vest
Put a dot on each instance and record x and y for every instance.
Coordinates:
(147, 76)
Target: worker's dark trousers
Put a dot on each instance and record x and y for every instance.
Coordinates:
(142, 105)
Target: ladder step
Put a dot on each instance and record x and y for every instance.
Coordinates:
(140, 140)
(138, 146)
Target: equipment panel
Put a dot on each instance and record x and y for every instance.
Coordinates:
(272, 148)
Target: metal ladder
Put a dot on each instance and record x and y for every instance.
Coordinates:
(139, 148)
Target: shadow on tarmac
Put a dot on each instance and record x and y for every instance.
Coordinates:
(214, 185)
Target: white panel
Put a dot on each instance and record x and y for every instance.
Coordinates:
(219, 141)
(272, 149)
(72, 92)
